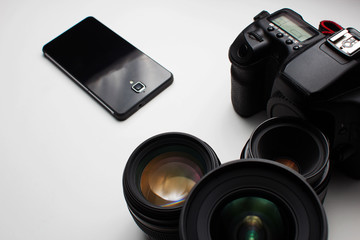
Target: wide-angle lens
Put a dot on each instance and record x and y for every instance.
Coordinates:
(158, 177)
(253, 199)
(295, 144)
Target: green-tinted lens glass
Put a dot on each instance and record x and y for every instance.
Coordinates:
(251, 218)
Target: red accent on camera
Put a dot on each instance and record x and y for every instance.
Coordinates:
(328, 27)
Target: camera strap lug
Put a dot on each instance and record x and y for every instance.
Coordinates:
(261, 15)
(328, 27)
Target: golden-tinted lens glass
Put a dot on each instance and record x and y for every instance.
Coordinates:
(251, 228)
(289, 163)
(168, 178)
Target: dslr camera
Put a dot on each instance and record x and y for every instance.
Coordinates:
(283, 65)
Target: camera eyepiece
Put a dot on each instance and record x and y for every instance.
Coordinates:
(158, 177)
(253, 199)
(296, 144)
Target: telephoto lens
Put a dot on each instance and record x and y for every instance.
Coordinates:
(158, 177)
(296, 144)
(253, 199)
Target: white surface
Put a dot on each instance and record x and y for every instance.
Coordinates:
(62, 155)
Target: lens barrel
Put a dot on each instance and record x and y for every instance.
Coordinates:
(158, 177)
(253, 199)
(296, 144)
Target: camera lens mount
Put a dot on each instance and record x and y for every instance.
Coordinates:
(253, 199)
(158, 177)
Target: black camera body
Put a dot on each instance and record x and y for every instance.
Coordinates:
(285, 66)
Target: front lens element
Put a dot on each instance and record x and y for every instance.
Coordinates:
(253, 199)
(296, 144)
(159, 176)
(168, 178)
(251, 228)
(288, 162)
(249, 218)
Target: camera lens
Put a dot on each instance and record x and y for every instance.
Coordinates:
(168, 178)
(249, 218)
(158, 177)
(295, 144)
(252, 199)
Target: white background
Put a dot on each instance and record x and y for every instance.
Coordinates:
(62, 155)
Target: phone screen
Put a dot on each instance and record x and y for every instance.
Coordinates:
(113, 71)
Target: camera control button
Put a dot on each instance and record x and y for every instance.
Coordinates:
(279, 35)
(289, 41)
(254, 35)
(296, 47)
(271, 28)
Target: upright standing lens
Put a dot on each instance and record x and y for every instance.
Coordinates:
(253, 199)
(158, 177)
(295, 144)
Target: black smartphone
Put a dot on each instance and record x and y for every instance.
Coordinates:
(114, 72)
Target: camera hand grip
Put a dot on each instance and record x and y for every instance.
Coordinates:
(246, 90)
(251, 86)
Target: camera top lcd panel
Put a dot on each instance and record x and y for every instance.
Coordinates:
(283, 33)
(118, 75)
(290, 25)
